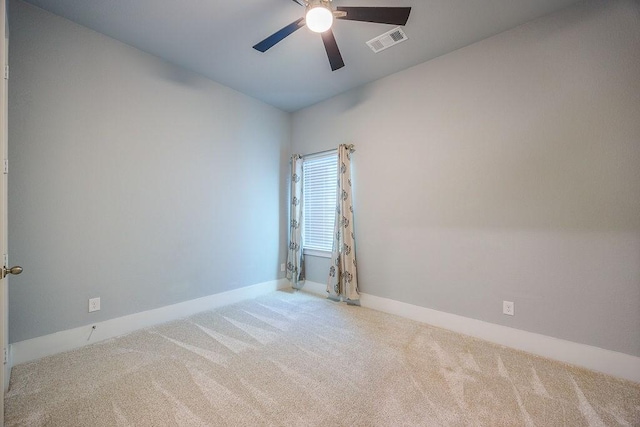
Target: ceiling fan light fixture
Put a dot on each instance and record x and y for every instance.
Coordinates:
(318, 18)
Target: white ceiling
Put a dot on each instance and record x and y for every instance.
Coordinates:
(215, 39)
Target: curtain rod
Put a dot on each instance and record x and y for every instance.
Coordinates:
(351, 148)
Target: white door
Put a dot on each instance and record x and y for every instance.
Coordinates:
(3, 200)
(4, 373)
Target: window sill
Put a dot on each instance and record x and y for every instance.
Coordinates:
(317, 253)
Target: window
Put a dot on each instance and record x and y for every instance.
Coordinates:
(320, 174)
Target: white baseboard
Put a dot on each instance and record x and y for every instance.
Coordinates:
(598, 359)
(595, 358)
(36, 348)
(315, 288)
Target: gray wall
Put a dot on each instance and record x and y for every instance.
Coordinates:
(507, 170)
(131, 179)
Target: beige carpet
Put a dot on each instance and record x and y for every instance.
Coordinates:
(299, 360)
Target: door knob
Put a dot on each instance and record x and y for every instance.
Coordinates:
(13, 270)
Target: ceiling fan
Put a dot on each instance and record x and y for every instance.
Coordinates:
(319, 17)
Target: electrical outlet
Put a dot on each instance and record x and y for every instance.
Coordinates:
(508, 308)
(94, 304)
(281, 267)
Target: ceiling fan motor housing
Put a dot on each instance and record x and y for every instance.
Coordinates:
(316, 3)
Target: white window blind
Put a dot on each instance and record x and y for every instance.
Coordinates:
(320, 175)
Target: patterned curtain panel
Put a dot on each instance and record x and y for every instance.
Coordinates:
(295, 257)
(343, 277)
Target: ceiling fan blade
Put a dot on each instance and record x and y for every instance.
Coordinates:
(298, 2)
(331, 46)
(380, 15)
(279, 35)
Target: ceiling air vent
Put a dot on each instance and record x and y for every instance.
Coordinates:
(387, 40)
